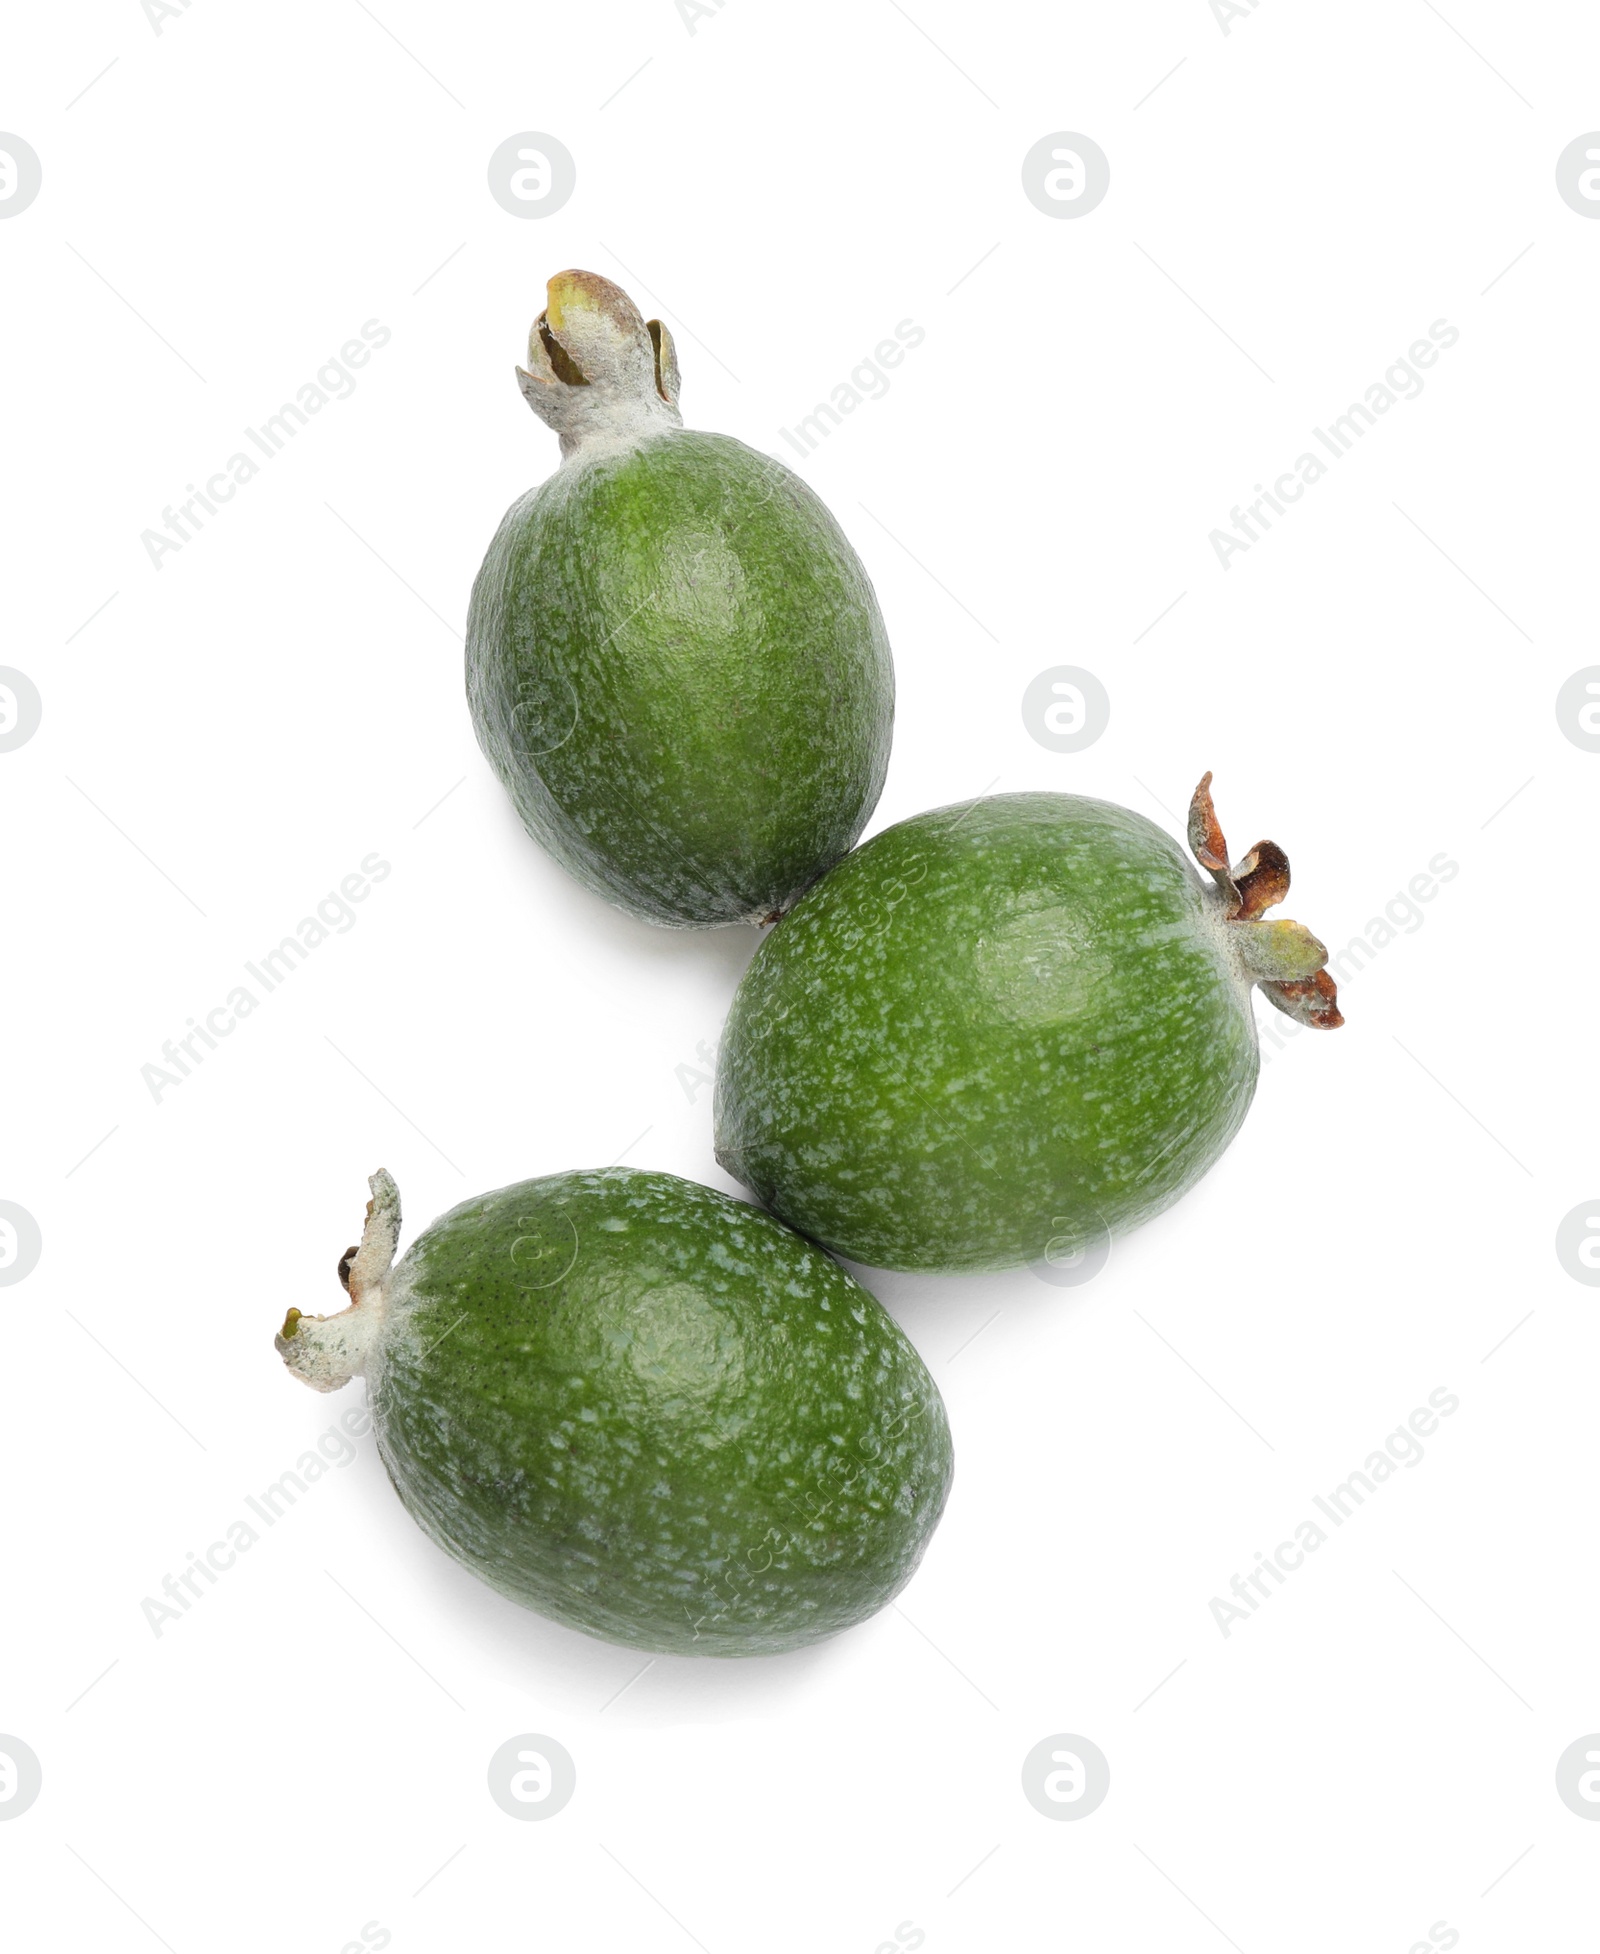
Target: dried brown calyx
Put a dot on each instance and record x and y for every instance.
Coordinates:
(1284, 958)
(597, 369)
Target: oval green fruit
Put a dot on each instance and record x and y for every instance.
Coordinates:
(1005, 1032)
(675, 661)
(642, 1409)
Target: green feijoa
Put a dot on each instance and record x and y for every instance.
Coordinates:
(1006, 1032)
(641, 1408)
(675, 661)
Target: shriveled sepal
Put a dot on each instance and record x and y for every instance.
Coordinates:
(1262, 880)
(327, 1351)
(597, 370)
(1284, 958)
(1314, 1002)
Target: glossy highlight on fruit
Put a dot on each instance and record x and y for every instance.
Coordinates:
(641, 1408)
(1006, 1026)
(675, 660)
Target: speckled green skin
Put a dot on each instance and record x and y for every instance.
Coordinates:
(654, 1414)
(990, 1029)
(676, 666)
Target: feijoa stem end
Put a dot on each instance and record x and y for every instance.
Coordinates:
(327, 1351)
(597, 370)
(1284, 959)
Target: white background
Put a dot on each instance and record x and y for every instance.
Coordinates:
(1374, 683)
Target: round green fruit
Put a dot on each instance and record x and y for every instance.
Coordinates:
(675, 661)
(642, 1409)
(1005, 1032)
